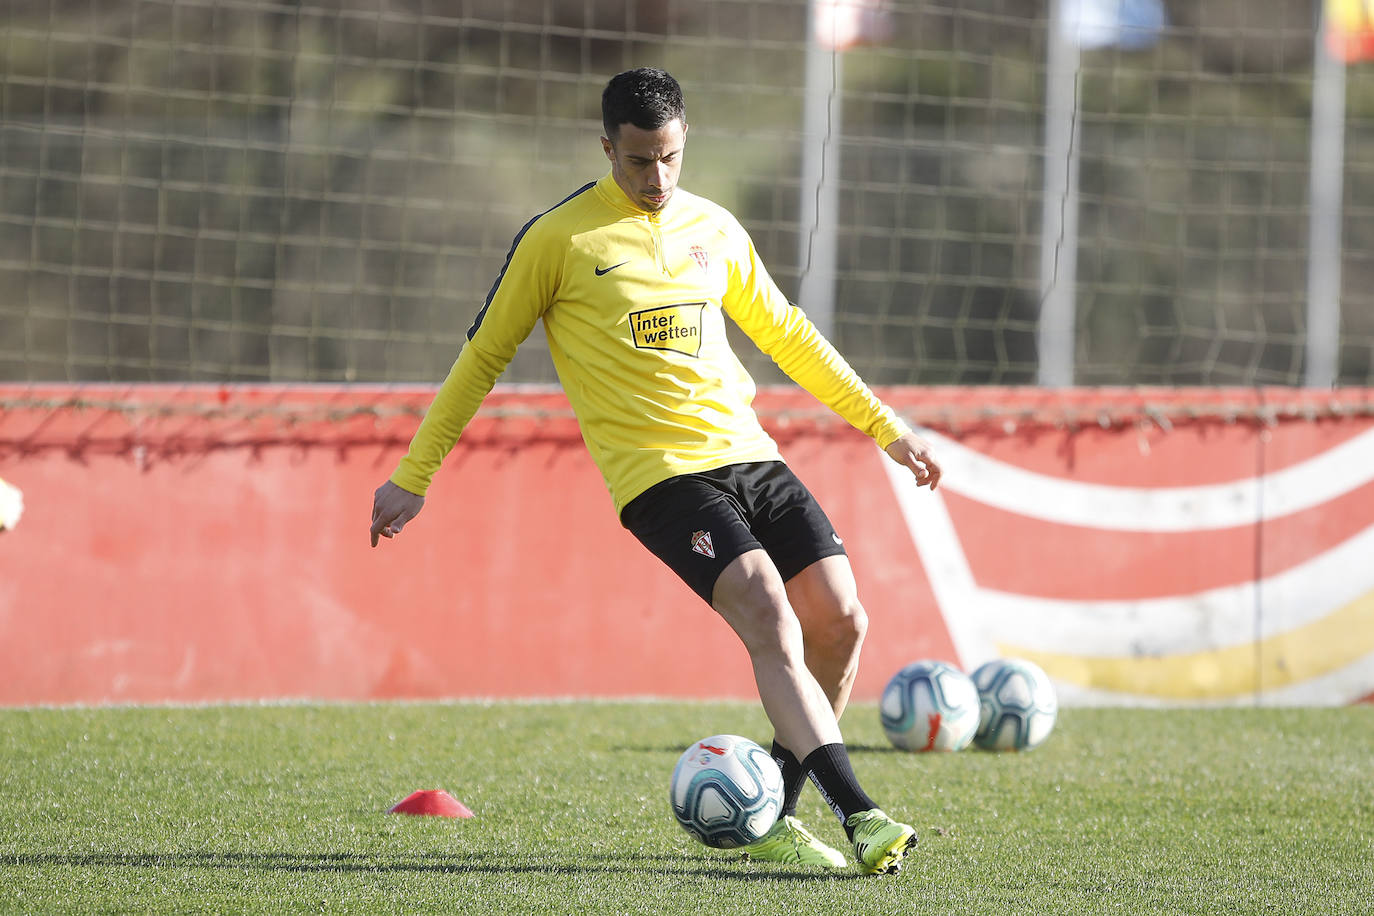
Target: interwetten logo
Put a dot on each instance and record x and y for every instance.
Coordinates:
(669, 327)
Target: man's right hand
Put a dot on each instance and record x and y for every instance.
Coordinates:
(392, 507)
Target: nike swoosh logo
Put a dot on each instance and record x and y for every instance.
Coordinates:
(602, 271)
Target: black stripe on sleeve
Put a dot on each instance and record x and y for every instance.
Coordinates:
(481, 314)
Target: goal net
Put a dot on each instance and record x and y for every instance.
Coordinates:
(295, 191)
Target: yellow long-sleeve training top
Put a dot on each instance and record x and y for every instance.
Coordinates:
(633, 304)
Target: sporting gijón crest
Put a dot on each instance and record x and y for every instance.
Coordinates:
(701, 543)
(699, 255)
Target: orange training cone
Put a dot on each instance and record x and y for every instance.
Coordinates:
(435, 802)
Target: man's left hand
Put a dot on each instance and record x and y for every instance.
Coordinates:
(911, 451)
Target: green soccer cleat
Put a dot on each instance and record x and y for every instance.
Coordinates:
(788, 841)
(880, 842)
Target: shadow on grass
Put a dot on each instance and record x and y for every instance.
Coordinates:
(477, 863)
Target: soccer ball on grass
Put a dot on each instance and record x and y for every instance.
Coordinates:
(726, 791)
(1018, 705)
(929, 706)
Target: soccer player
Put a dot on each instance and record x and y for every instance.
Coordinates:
(632, 277)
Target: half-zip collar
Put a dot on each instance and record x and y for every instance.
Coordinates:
(615, 196)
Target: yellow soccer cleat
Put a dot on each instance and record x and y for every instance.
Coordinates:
(880, 842)
(788, 841)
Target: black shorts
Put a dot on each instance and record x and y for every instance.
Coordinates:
(698, 523)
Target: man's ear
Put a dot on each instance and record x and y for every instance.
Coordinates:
(608, 148)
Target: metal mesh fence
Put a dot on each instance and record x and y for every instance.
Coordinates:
(250, 190)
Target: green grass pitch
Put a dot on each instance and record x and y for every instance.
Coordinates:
(281, 809)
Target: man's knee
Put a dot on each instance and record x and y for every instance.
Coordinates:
(846, 623)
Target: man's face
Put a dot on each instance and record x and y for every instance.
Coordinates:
(646, 163)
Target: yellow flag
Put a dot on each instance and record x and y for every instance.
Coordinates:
(1350, 29)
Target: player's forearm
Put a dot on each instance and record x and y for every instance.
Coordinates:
(469, 380)
(812, 362)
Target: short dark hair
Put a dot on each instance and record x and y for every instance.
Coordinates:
(648, 98)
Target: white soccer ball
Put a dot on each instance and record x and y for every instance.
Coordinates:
(1018, 705)
(726, 791)
(11, 505)
(929, 706)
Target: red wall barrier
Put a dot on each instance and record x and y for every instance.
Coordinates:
(208, 543)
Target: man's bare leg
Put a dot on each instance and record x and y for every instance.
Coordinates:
(752, 599)
(825, 599)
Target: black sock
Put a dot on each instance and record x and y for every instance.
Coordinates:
(829, 768)
(793, 778)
